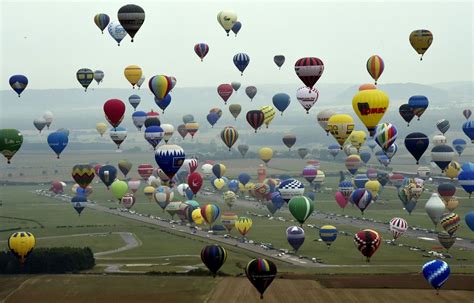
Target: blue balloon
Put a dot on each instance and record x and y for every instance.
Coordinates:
(108, 174)
(311, 195)
(468, 129)
(212, 118)
(466, 180)
(233, 185)
(281, 102)
(79, 202)
(154, 134)
(359, 180)
(469, 218)
(419, 104)
(189, 193)
(236, 27)
(436, 272)
(277, 200)
(459, 145)
(163, 103)
(170, 158)
(416, 144)
(334, 150)
(365, 156)
(134, 100)
(295, 236)
(467, 166)
(58, 141)
(241, 61)
(138, 119)
(18, 83)
(244, 178)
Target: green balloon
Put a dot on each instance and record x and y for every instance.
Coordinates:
(119, 188)
(301, 208)
(10, 142)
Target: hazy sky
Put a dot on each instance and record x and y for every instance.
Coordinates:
(50, 41)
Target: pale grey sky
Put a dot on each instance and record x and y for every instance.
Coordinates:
(61, 37)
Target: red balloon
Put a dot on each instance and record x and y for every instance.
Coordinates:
(225, 91)
(367, 241)
(145, 171)
(97, 168)
(309, 70)
(114, 110)
(341, 200)
(195, 182)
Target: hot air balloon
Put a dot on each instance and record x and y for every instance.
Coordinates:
(235, 85)
(243, 225)
(212, 118)
(243, 149)
(83, 174)
(261, 273)
(134, 100)
(446, 191)
(125, 166)
(450, 222)
(307, 98)
(213, 256)
(446, 240)
(375, 67)
(340, 126)
(373, 186)
(443, 125)
(406, 112)
(227, 19)
(367, 241)
(281, 101)
(160, 86)
(418, 104)
(357, 138)
(268, 114)
(435, 208)
(218, 170)
(398, 226)
(290, 188)
(182, 130)
(468, 129)
(116, 31)
(279, 60)
(436, 272)
(192, 128)
(328, 234)
(163, 103)
(154, 134)
(131, 17)
(421, 40)
(39, 123)
(114, 110)
(459, 145)
(370, 107)
(101, 20)
(364, 155)
(168, 131)
(119, 188)
(466, 180)
(128, 200)
(169, 158)
(416, 144)
(118, 135)
(255, 118)
(18, 83)
(469, 218)
(241, 61)
(467, 113)
(442, 155)
(303, 152)
(385, 135)
(108, 174)
(295, 237)
(309, 70)
(163, 195)
(210, 213)
(251, 92)
(300, 207)
(361, 198)
(133, 185)
(266, 154)
(85, 77)
(229, 136)
(225, 91)
(235, 110)
(201, 49)
(195, 182)
(289, 140)
(133, 74)
(21, 244)
(58, 142)
(145, 171)
(98, 76)
(353, 163)
(236, 27)
(323, 118)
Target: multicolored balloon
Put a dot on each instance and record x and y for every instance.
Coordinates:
(213, 256)
(375, 67)
(261, 273)
(367, 241)
(309, 70)
(328, 234)
(201, 49)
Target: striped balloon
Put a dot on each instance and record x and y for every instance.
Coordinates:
(85, 77)
(375, 67)
(213, 256)
(201, 49)
(229, 136)
(442, 155)
(241, 61)
(255, 118)
(243, 225)
(450, 222)
(210, 213)
(261, 273)
(83, 174)
(361, 198)
(353, 163)
(446, 240)
(309, 70)
(468, 129)
(328, 234)
(398, 226)
(160, 86)
(101, 20)
(436, 272)
(301, 208)
(268, 114)
(385, 135)
(443, 125)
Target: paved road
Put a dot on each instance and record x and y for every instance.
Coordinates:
(131, 241)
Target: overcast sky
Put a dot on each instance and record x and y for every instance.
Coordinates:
(49, 41)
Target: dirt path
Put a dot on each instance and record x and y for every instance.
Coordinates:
(238, 290)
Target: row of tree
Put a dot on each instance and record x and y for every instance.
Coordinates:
(56, 260)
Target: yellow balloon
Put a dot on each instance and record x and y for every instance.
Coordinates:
(101, 128)
(370, 106)
(133, 73)
(421, 40)
(227, 19)
(268, 114)
(373, 186)
(250, 187)
(197, 217)
(243, 225)
(452, 204)
(357, 138)
(266, 154)
(21, 244)
(149, 192)
(453, 170)
(219, 183)
(341, 126)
